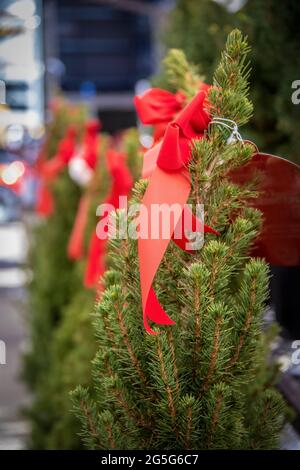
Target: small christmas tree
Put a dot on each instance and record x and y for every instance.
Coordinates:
(203, 383)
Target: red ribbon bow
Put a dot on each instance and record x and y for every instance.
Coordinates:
(156, 105)
(169, 184)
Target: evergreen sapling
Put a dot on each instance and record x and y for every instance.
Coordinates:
(205, 382)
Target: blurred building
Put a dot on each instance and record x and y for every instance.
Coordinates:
(99, 50)
(94, 50)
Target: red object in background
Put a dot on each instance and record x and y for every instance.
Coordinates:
(279, 200)
(91, 142)
(121, 185)
(44, 201)
(89, 153)
(44, 205)
(76, 242)
(48, 170)
(52, 167)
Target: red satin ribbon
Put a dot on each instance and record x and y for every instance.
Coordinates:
(156, 105)
(91, 143)
(76, 242)
(121, 185)
(279, 201)
(90, 153)
(50, 169)
(169, 184)
(44, 200)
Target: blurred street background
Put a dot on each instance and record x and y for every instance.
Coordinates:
(13, 250)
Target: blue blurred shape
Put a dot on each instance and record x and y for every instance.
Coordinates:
(87, 89)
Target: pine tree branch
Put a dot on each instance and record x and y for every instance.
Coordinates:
(255, 443)
(221, 208)
(187, 444)
(215, 352)
(126, 340)
(233, 247)
(165, 380)
(134, 416)
(197, 330)
(247, 324)
(91, 425)
(214, 419)
(107, 329)
(180, 74)
(108, 428)
(172, 349)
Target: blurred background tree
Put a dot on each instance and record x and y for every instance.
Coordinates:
(273, 31)
(56, 278)
(64, 340)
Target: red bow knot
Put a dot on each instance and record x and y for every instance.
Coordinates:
(175, 150)
(156, 105)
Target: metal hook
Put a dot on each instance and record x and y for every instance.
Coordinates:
(232, 126)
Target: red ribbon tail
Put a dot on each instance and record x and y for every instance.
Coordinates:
(95, 267)
(208, 229)
(53, 167)
(154, 312)
(75, 246)
(45, 202)
(163, 188)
